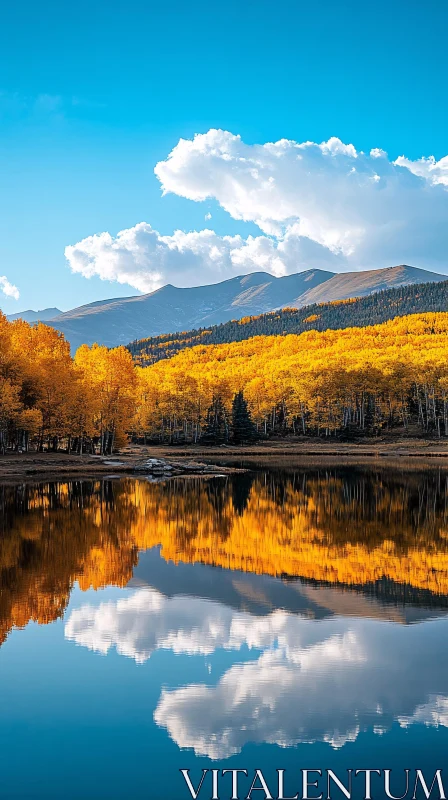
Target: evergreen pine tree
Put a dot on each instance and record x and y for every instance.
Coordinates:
(243, 429)
(216, 430)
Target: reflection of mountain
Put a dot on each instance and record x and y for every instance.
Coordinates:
(259, 594)
(381, 533)
(310, 680)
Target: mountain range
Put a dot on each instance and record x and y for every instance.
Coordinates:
(169, 309)
(36, 316)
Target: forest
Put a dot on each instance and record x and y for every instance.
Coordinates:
(354, 381)
(357, 312)
(350, 382)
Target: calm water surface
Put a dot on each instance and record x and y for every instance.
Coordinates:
(276, 619)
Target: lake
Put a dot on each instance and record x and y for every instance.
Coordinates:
(279, 619)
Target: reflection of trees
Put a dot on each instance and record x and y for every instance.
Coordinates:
(352, 527)
(53, 534)
(348, 507)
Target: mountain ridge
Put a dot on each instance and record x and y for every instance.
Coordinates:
(120, 320)
(344, 285)
(44, 315)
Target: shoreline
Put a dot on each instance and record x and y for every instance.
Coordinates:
(36, 467)
(398, 453)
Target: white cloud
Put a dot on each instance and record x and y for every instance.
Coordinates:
(369, 210)
(313, 680)
(433, 171)
(141, 257)
(8, 289)
(322, 205)
(334, 146)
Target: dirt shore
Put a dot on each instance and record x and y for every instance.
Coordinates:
(399, 453)
(15, 467)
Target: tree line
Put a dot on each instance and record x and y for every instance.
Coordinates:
(356, 312)
(354, 381)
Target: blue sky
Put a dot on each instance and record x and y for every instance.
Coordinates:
(93, 95)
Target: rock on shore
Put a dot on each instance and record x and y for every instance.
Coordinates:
(162, 468)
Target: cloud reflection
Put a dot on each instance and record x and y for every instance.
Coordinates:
(314, 680)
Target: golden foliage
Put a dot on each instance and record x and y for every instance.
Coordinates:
(364, 377)
(312, 318)
(46, 394)
(317, 382)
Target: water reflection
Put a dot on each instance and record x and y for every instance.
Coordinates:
(307, 580)
(311, 680)
(382, 533)
(319, 683)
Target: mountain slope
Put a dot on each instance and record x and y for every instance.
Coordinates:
(118, 321)
(360, 284)
(35, 316)
(124, 319)
(370, 310)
